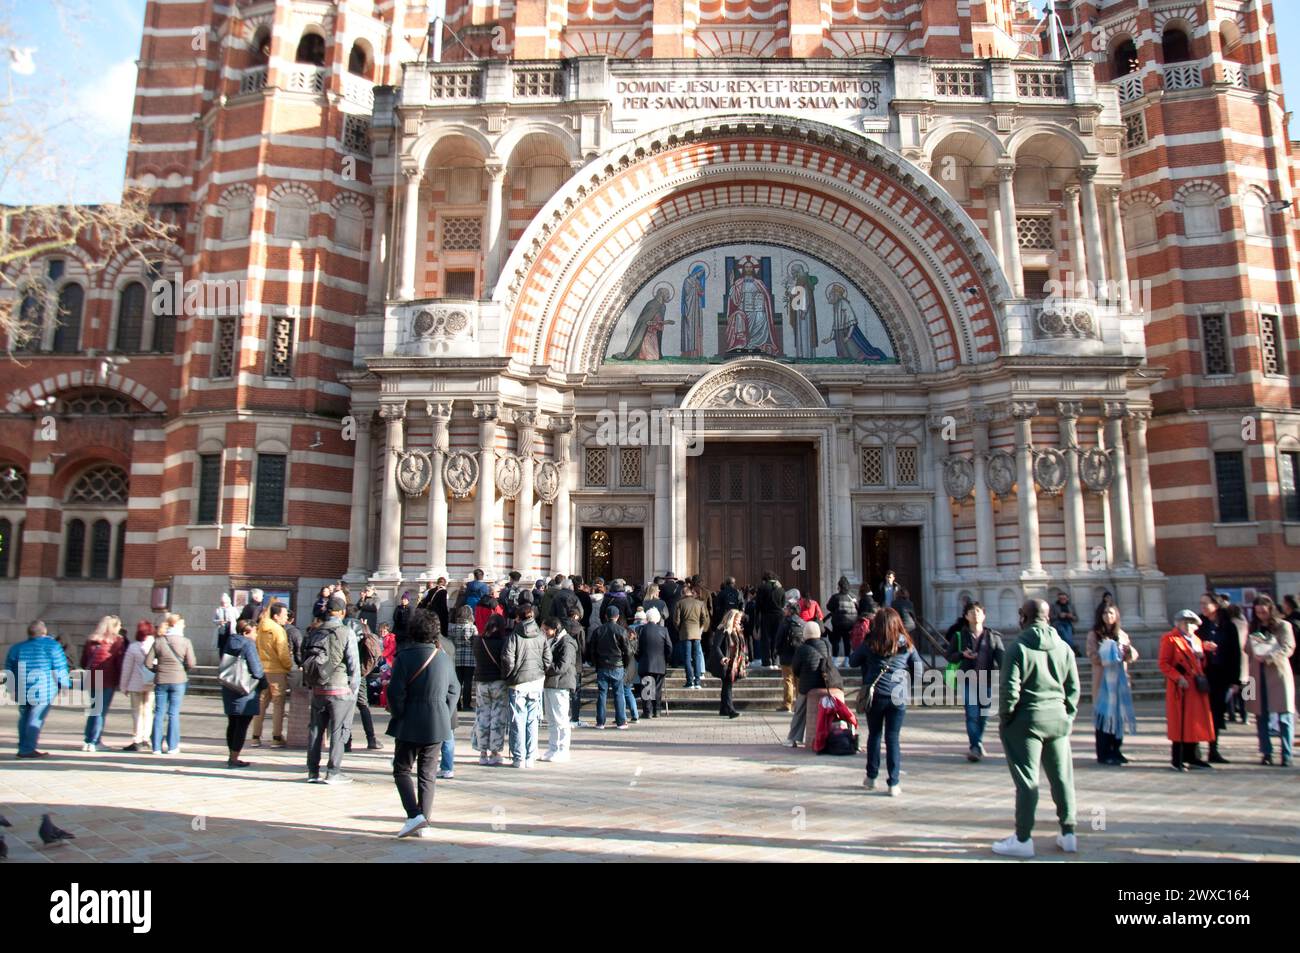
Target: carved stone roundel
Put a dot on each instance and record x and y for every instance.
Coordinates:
(547, 480)
(414, 472)
(1097, 470)
(1001, 472)
(510, 477)
(460, 474)
(958, 477)
(1049, 470)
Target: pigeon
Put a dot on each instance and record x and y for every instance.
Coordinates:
(4, 821)
(51, 834)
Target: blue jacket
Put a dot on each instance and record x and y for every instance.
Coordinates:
(475, 590)
(894, 683)
(243, 705)
(44, 671)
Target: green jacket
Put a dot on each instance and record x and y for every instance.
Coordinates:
(1040, 677)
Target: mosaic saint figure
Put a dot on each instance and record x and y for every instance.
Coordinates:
(645, 343)
(692, 307)
(846, 332)
(803, 310)
(751, 325)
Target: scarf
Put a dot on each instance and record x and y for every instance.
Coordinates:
(1114, 698)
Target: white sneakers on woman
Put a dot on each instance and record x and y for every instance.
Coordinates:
(412, 825)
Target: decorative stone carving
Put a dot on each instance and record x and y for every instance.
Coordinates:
(460, 474)
(888, 430)
(958, 477)
(1000, 472)
(414, 472)
(546, 480)
(510, 476)
(1097, 470)
(891, 514)
(613, 513)
(1049, 470)
(439, 323)
(1024, 409)
(754, 385)
(750, 395)
(1061, 318)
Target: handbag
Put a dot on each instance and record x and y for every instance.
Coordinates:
(867, 694)
(233, 674)
(1202, 684)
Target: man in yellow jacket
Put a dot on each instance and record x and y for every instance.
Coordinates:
(277, 661)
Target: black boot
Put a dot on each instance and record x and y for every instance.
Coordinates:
(1215, 757)
(1192, 756)
(1176, 756)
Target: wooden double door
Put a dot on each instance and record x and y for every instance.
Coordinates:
(895, 549)
(752, 508)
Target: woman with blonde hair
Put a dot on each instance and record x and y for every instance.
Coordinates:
(729, 646)
(170, 658)
(101, 659)
(137, 682)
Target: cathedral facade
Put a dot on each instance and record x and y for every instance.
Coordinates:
(618, 287)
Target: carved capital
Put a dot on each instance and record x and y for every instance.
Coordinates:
(1072, 191)
(394, 411)
(525, 419)
(1087, 173)
(1069, 409)
(486, 412)
(440, 412)
(1007, 173)
(1117, 410)
(1024, 409)
(496, 170)
(560, 425)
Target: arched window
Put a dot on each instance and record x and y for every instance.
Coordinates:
(130, 317)
(1175, 46)
(311, 50)
(1201, 215)
(358, 61)
(74, 549)
(31, 317)
(101, 484)
(261, 47)
(101, 549)
(67, 336)
(1125, 59)
(164, 321)
(1254, 209)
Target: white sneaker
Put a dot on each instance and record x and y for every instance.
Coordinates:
(412, 825)
(85, 746)
(176, 750)
(869, 783)
(338, 779)
(547, 756)
(560, 756)
(895, 790)
(1068, 843)
(790, 744)
(530, 764)
(1011, 847)
(445, 775)
(424, 833)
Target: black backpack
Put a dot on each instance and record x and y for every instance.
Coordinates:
(842, 739)
(315, 657)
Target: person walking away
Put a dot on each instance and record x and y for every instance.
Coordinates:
(171, 658)
(137, 682)
(38, 671)
(101, 660)
(807, 670)
(1063, 619)
(630, 680)
(770, 603)
(242, 707)
(422, 718)
(691, 618)
(729, 645)
(1225, 639)
(252, 610)
(1188, 720)
(608, 653)
(653, 654)
(1110, 651)
(463, 633)
(370, 651)
(491, 705)
(223, 621)
(888, 662)
(977, 650)
(476, 589)
(561, 679)
(276, 660)
(905, 608)
(1272, 646)
(788, 640)
(652, 600)
(1039, 698)
(573, 625)
(524, 661)
(726, 599)
(843, 609)
(332, 671)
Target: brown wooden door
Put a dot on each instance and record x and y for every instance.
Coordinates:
(751, 504)
(897, 548)
(613, 554)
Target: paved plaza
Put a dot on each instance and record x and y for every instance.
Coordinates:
(689, 787)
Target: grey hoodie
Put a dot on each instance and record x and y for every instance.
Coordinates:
(526, 656)
(1039, 677)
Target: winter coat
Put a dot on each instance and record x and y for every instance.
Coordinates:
(1271, 673)
(654, 649)
(691, 618)
(422, 707)
(789, 639)
(244, 706)
(607, 647)
(989, 650)
(272, 647)
(401, 618)
(134, 674)
(1128, 650)
(1226, 665)
(807, 664)
(1187, 711)
(891, 674)
(843, 609)
(562, 673)
(527, 655)
(105, 655)
(171, 659)
(487, 658)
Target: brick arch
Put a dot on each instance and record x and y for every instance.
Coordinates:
(874, 200)
(79, 461)
(24, 399)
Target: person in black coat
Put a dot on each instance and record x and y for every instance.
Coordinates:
(807, 670)
(843, 611)
(583, 594)
(402, 618)
(368, 608)
(241, 709)
(728, 598)
(770, 603)
(578, 632)
(670, 591)
(654, 652)
(422, 695)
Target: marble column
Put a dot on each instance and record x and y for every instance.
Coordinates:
(664, 400)
(525, 429)
(390, 520)
(1076, 532)
(996, 235)
(561, 509)
(410, 235)
(945, 559)
(362, 466)
(495, 238)
(376, 283)
(436, 558)
(843, 526)
(1092, 228)
(1144, 522)
(1120, 505)
(985, 536)
(485, 528)
(1080, 287)
(1119, 251)
(677, 514)
(1031, 558)
(1010, 230)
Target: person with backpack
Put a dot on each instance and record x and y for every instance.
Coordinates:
(370, 652)
(491, 704)
(462, 635)
(171, 659)
(729, 653)
(806, 667)
(422, 697)
(242, 702)
(861, 628)
(976, 650)
(524, 663)
(561, 679)
(509, 595)
(487, 607)
(332, 671)
(654, 652)
(843, 609)
(788, 639)
(276, 662)
(887, 660)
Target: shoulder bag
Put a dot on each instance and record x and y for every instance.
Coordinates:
(867, 694)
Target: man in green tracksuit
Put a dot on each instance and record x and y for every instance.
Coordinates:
(1037, 705)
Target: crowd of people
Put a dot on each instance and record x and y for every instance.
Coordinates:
(514, 654)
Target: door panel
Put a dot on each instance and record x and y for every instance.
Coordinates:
(897, 548)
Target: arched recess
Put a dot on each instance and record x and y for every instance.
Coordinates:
(25, 399)
(774, 385)
(752, 172)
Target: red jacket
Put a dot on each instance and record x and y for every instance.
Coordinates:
(1187, 711)
(105, 655)
(481, 616)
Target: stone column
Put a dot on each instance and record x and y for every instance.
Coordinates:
(996, 236)
(561, 515)
(842, 527)
(1076, 532)
(1144, 522)
(525, 427)
(1092, 226)
(1119, 249)
(390, 519)
(362, 464)
(485, 528)
(410, 234)
(1010, 232)
(495, 214)
(945, 560)
(1120, 504)
(1077, 253)
(1031, 558)
(664, 401)
(436, 559)
(985, 536)
(376, 287)
(677, 515)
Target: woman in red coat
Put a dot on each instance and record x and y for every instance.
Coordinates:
(1187, 700)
